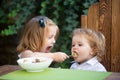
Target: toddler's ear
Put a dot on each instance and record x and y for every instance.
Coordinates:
(94, 52)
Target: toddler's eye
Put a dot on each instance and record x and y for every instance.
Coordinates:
(80, 44)
(73, 45)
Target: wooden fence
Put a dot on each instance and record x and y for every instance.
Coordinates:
(105, 17)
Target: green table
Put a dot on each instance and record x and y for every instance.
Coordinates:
(56, 74)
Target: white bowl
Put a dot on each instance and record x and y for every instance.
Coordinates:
(34, 64)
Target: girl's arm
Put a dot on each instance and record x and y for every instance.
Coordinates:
(57, 56)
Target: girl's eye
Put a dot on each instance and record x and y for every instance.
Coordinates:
(50, 37)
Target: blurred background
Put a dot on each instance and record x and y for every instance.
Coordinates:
(15, 13)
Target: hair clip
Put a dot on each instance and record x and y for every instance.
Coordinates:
(41, 22)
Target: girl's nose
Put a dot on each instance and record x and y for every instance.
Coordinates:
(53, 40)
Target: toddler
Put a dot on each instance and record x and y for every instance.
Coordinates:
(87, 48)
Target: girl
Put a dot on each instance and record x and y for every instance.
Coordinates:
(87, 48)
(38, 39)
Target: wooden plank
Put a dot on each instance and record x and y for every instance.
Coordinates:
(115, 42)
(105, 25)
(93, 16)
(84, 21)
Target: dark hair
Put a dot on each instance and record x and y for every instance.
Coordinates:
(42, 23)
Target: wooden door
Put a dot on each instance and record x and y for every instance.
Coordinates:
(105, 17)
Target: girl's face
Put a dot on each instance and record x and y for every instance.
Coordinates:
(49, 40)
(81, 47)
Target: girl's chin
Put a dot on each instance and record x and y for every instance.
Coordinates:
(47, 51)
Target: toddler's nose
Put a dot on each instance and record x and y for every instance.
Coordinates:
(74, 48)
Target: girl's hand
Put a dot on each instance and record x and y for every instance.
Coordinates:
(59, 56)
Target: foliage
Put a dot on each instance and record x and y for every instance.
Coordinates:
(65, 13)
(15, 13)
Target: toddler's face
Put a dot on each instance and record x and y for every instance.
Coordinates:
(49, 40)
(81, 47)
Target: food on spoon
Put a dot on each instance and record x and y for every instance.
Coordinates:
(74, 54)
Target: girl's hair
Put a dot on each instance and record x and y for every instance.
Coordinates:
(34, 33)
(95, 38)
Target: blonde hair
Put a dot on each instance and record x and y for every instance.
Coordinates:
(34, 34)
(95, 38)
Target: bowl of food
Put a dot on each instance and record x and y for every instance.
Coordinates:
(34, 64)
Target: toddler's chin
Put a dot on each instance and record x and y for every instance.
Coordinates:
(77, 60)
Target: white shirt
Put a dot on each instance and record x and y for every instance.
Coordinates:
(93, 65)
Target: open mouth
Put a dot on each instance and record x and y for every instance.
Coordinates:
(48, 48)
(74, 54)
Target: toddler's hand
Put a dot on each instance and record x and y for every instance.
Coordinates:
(60, 56)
